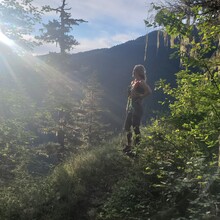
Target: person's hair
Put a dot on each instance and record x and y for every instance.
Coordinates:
(140, 70)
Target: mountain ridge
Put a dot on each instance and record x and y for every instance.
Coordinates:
(113, 67)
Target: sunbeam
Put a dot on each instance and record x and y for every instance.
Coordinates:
(31, 74)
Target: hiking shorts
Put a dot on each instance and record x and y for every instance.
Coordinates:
(133, 119)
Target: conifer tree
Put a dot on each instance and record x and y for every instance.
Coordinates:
(58, 31)
(93, 128)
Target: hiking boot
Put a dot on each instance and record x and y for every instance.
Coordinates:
(127, 149)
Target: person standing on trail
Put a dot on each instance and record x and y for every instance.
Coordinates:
(137, 91)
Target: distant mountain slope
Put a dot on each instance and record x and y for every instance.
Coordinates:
(114, 67)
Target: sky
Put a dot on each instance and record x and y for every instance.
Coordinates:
(110, 22)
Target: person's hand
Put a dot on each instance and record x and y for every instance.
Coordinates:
(135, 94)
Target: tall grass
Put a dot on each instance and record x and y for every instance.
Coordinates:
(76, 189)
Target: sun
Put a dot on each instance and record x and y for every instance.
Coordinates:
(5, 40)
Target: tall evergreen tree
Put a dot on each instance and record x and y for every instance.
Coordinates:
(93, 128)
(58, 31)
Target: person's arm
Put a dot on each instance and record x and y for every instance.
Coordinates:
(147, 89)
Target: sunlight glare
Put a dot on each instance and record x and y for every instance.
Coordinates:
(4, 39)
(11, 44)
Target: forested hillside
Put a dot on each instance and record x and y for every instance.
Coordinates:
(60, 159)
(113, 68)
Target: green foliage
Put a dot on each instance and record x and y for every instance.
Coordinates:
(24, 197)
(171, 179)
(196, 105)
(175, 174)
(191, 131)
(91, 118)
(75, 190)
(130, 199)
